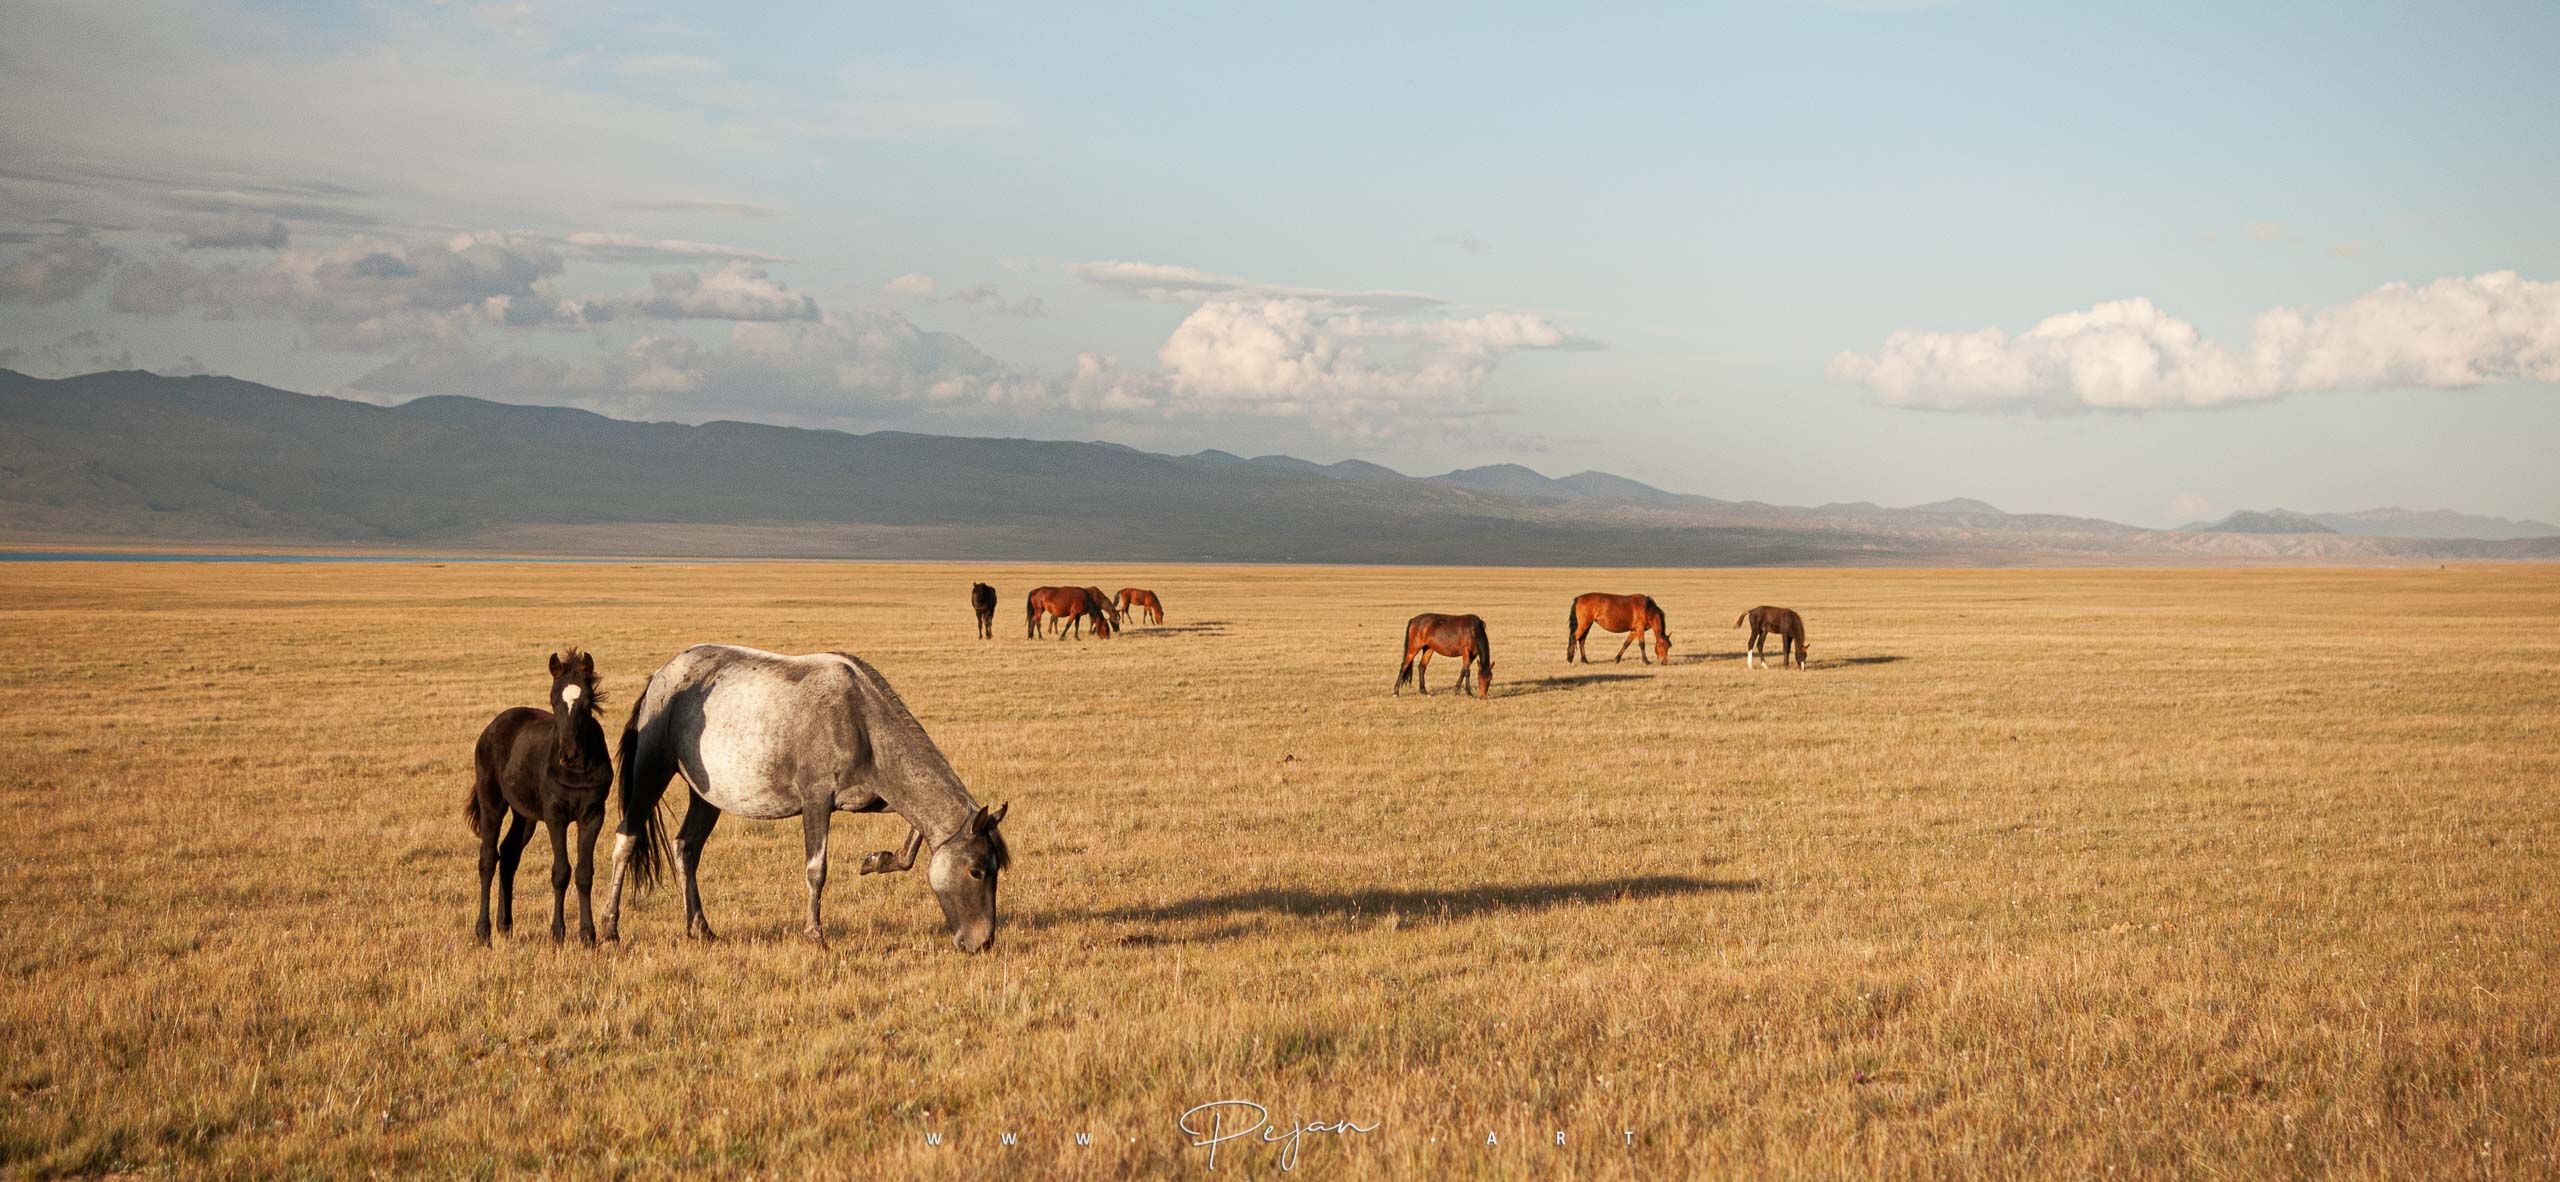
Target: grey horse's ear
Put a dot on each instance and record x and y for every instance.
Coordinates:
(556, 666)
(988, 820)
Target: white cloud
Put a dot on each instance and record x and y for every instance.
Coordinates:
(2190, 507)
(2129, 355)
(1298, 357)
(55, 268)
(631, 248)
(2266, 231)
(981, 295)
(841, 367)
(734, 292)
(364, 293)
(1166, 283)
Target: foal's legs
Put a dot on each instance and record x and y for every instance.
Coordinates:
(699, 817)
(813, 834)
(884, 862)
(488, 870)
(588, 827)
(510, 852)
(559, 831)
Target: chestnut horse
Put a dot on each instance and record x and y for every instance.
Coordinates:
(1067, 604)
(1789, 627)
(549, 768)
(1631, 614)
(1142, 602)
(1462, 637)
(982, 599)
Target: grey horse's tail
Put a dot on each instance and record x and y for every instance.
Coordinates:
(645, 772)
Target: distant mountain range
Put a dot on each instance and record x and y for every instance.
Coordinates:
(136, 459)
(2380, 523)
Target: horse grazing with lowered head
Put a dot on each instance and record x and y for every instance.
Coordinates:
(1462, 637)
(1140, 602)
(769, 736)
(1070, 605)
(982, 599)
(1789, 628)
(546, 767)
(1631, 614)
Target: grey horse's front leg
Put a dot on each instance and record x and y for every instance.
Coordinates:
(884, 862)
(813, 834)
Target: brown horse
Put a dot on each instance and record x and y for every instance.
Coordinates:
(1067, 604)
(1462, 637)
(982, 598)
(1631, 614)
(547, 766)
(1789, 627)
(1102, 603)
(1140, 602)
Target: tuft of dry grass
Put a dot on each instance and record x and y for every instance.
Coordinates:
(2065, 873)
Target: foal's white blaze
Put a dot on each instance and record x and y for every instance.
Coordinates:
(569, 695)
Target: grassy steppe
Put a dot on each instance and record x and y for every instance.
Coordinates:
(2079, 873)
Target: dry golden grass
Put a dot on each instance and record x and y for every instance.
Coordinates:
(2231, 873)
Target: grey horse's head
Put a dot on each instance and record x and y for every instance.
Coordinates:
(963, 874)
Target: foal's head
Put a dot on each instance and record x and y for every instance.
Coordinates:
(963, 874)
(573, 684)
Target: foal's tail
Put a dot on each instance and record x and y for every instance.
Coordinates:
(645, 772)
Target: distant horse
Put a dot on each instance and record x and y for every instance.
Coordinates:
(770, 736)
(547, 766)
(1786, 624)
(1140, 600)
(1069, 605)
(1631, 614)
(982, 598)
(1103, 602)
(1462, 637)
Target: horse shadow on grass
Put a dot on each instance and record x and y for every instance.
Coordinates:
(1137, 631)
(1815, 663)
(1548, 685)
(1376, 903)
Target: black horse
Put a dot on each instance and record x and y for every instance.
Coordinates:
(548, 766)
(983, 598)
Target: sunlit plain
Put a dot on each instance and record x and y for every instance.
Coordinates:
(2066, 873)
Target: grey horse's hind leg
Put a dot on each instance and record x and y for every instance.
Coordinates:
(813, 835)
(884, 862)
(699, 817)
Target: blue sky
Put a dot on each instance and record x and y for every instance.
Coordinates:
(1748, 250)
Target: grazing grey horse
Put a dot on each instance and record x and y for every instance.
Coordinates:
(769, 736)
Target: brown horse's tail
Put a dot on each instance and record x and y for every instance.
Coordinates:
(1737, 620)
(1404, 676)
(645, 773)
